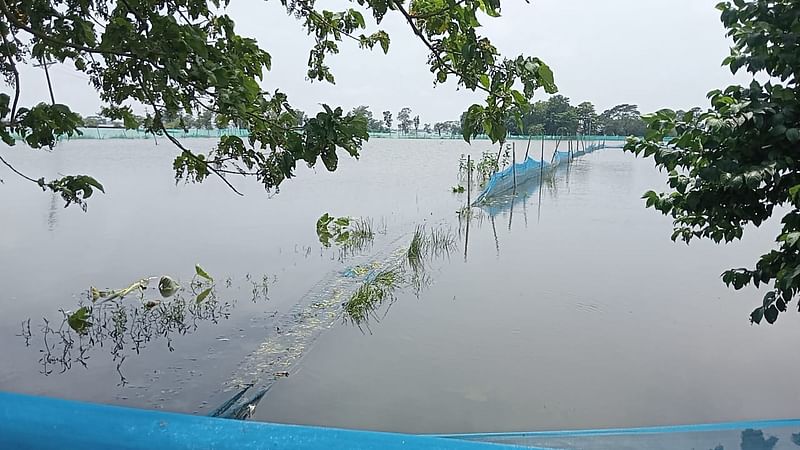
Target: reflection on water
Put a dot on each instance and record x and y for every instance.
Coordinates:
(125, 322)
(586, 316)
(505, 204)
(405, 269)
(353, 296)
(570, 308)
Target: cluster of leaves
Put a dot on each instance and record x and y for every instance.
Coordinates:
(202, 286)
(184, 57)
(350, 235)
(736, 164)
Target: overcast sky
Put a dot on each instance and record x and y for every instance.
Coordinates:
(653, 53)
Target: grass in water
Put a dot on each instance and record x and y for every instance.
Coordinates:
(417, 248)
(372, 294)
(429, 243)
(411, 272)
(359, 237)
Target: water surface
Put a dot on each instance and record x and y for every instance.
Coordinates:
(571, 309)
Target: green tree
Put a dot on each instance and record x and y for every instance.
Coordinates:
(185, 57)
(559, 116)
(404, 120)
(587, 118)
(373, 125)
(387, 119)
(622, 120)
(93, 121)
(416, 124)
(205, 120)
(736, 164)
(427, 128)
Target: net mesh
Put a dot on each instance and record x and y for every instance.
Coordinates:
(507, 180)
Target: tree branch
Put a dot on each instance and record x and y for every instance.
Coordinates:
(13, 169)
(45, 37)
(16, 81)
(178, 144)
(434, 52)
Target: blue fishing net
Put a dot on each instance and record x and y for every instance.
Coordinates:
(506, 181)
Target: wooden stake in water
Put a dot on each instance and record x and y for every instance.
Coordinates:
(541, 161)
(528, 149)
(514, 165)
(469, 180)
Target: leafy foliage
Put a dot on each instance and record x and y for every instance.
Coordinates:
(736, 164)
(349, 234)
(183, 58)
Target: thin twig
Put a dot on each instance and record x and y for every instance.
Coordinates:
(430, 46)
(13, 169)
(16, 80)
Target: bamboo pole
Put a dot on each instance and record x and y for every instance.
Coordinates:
(528, 148)
(514, 165)
(541, 161)
(469, 180)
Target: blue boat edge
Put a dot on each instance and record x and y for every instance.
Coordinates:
(43, 423)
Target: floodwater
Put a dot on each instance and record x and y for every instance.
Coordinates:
(566, 308)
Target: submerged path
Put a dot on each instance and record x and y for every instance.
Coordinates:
(294, 332)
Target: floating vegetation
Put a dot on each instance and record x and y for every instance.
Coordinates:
(351, 235)
(458, 189)
(354, 295)
(374, 292)
(380, 285)
(111, 319)
(485, 167)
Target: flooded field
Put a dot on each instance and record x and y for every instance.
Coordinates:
(566, 308)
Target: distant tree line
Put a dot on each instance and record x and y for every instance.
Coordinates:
(557, 116)
(552, 116)
(407, 123)
(206, 120)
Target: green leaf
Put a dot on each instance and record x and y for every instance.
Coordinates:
(167, 286)
(769, 298)
(793, 135)
(771, 314)
(484, 79)
(202, 296)
(202, 273)
(518, 97)
(79, 320)
(757, 315)
(547, 79)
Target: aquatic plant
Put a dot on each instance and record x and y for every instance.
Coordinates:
(409, 271)
(351, 235)
(440, 241)
(373, 292)
(126, 320)
(416, 248)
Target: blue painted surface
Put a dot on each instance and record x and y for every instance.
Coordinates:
(670, 429)
(40, 423)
